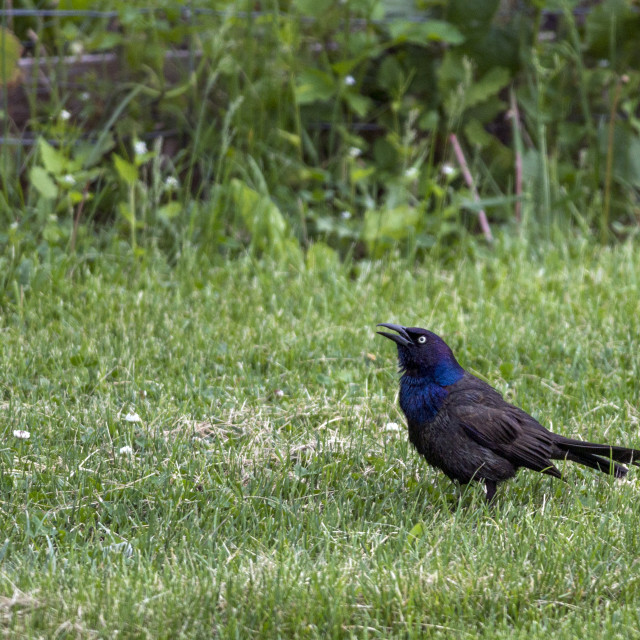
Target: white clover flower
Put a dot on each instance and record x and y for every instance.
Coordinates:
(411, 173)
(77, 49)
(172, 182)
(68, 179)
(345, 215)
(447, 169)
(64, 115)
(349, 81)
(132, 416)
(354, 152)
(126, 451)
(140, 147)
(21, 435)
(392, 426)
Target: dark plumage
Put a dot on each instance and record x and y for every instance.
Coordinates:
(463, 426)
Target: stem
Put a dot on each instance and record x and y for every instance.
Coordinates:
(482, 216)
(517, 138)
(76, 219)
(604, 221)
(132, 207)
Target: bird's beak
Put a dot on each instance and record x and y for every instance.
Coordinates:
(401, 339)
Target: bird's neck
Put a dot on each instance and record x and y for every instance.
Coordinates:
(442, 374)
(421, 398)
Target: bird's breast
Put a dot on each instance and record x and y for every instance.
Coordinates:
(420, 399)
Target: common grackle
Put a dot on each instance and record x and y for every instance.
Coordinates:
(462, 425)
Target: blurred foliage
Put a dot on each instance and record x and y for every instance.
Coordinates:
(276, 126)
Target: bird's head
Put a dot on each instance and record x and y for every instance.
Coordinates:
(423, 354)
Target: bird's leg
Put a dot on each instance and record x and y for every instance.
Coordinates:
(491, 489)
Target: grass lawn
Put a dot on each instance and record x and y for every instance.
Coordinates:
(213, 451)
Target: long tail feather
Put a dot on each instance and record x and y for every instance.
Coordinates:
(606, 466)
(607, 451)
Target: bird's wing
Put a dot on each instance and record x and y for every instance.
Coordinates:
(508, 431)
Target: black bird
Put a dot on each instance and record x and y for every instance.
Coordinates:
(462, 425)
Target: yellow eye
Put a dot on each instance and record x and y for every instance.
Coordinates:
(422, 339)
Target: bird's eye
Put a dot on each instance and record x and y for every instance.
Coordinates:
(422, 339)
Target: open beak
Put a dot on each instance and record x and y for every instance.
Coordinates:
(402, 338)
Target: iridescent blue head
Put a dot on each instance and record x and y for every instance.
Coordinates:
(423, 354)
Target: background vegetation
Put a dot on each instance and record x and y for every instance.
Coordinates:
(226, 126)
(204, 210)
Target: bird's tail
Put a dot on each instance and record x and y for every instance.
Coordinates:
(600, 456)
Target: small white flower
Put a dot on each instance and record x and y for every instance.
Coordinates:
(411, 173)
(21, 435)
(447, 169)
(84, 96)
(140, 147)
(68, 179)
(392, 426)
(76, 48)
(345, 215)
(171, 182)
(278, 393)
(64, 115)
(132, 416)
(126, 451)
(354, 152)
(349, 81)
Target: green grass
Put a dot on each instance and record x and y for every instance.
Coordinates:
(266, 495)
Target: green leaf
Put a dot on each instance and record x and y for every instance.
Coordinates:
(10, 50)
(314, 85)
(417, 531)
(490, 84)
(292, 138)
(125, 169)
(25, 272)
(612, 24)
(488, 203)
(54, 162)
(472, 15)
(391, 74)
(359, 104)
(626, 154)
(422, 33)
(43, 182)
(361, 173)
(89, 154)
(477, 135)
(313, 8)
(322, 257)
(384, 228)
(170, 210)
(262, 218)
(125, 212)
(345, 67)
(429, 120)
